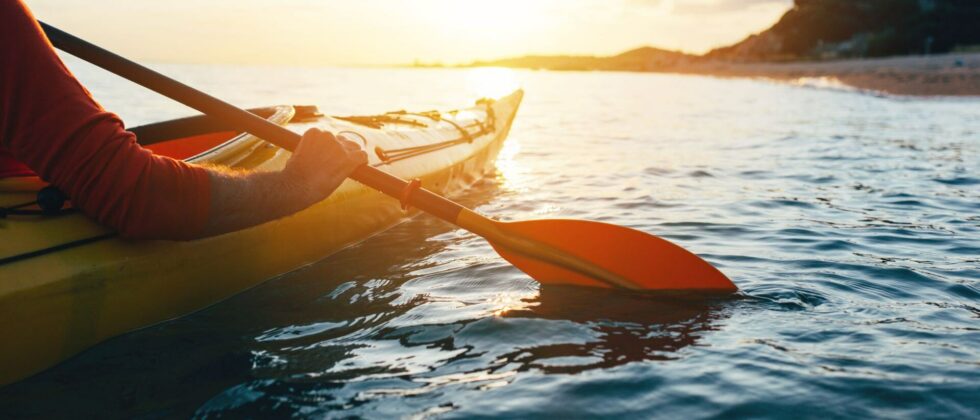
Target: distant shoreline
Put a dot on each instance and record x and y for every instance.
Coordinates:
(953, 74)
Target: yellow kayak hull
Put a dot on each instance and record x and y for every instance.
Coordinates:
(56, 304)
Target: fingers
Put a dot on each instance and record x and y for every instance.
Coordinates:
(349, 145)
(323, 161)
(355, 154)
(357, 158)
(316, 135)
(321, 149)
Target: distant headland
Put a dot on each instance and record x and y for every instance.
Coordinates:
(913, 47)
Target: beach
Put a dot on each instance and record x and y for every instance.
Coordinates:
(933, 75)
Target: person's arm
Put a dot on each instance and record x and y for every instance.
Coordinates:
(49, 122)
(242, 199)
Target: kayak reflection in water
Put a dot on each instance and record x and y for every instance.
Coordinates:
(626, 327)
(51, 127)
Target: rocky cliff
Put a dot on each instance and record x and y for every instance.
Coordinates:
(822, 29)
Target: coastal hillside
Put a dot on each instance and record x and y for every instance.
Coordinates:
(829, 29)
(810, 30)
(903, 47)
(640, 59)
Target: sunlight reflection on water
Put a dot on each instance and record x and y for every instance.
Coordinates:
(491, 82)
(512, 173)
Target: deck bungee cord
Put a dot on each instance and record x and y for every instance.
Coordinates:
(390, 155)
(396, 154)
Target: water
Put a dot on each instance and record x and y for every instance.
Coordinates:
(851, 223)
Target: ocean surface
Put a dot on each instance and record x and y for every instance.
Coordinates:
(850, 221)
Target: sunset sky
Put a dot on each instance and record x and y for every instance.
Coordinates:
(379, 32)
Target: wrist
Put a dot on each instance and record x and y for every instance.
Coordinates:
(296, 185)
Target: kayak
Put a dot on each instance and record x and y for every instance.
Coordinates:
(67, 283)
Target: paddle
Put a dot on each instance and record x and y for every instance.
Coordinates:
(551, 251)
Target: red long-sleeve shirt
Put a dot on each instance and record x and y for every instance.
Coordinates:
(51, 126)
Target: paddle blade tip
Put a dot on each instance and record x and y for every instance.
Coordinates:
(636, 259)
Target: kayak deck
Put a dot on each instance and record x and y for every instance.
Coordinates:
(67, 283)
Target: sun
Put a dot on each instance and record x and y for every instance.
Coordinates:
(491, 82)
(485, 25)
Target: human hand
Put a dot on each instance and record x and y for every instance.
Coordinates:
(322, 162)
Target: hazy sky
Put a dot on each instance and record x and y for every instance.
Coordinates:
(315, 32)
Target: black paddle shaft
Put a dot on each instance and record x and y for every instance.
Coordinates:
(391, 185)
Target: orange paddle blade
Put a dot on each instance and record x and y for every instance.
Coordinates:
(646, 261)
